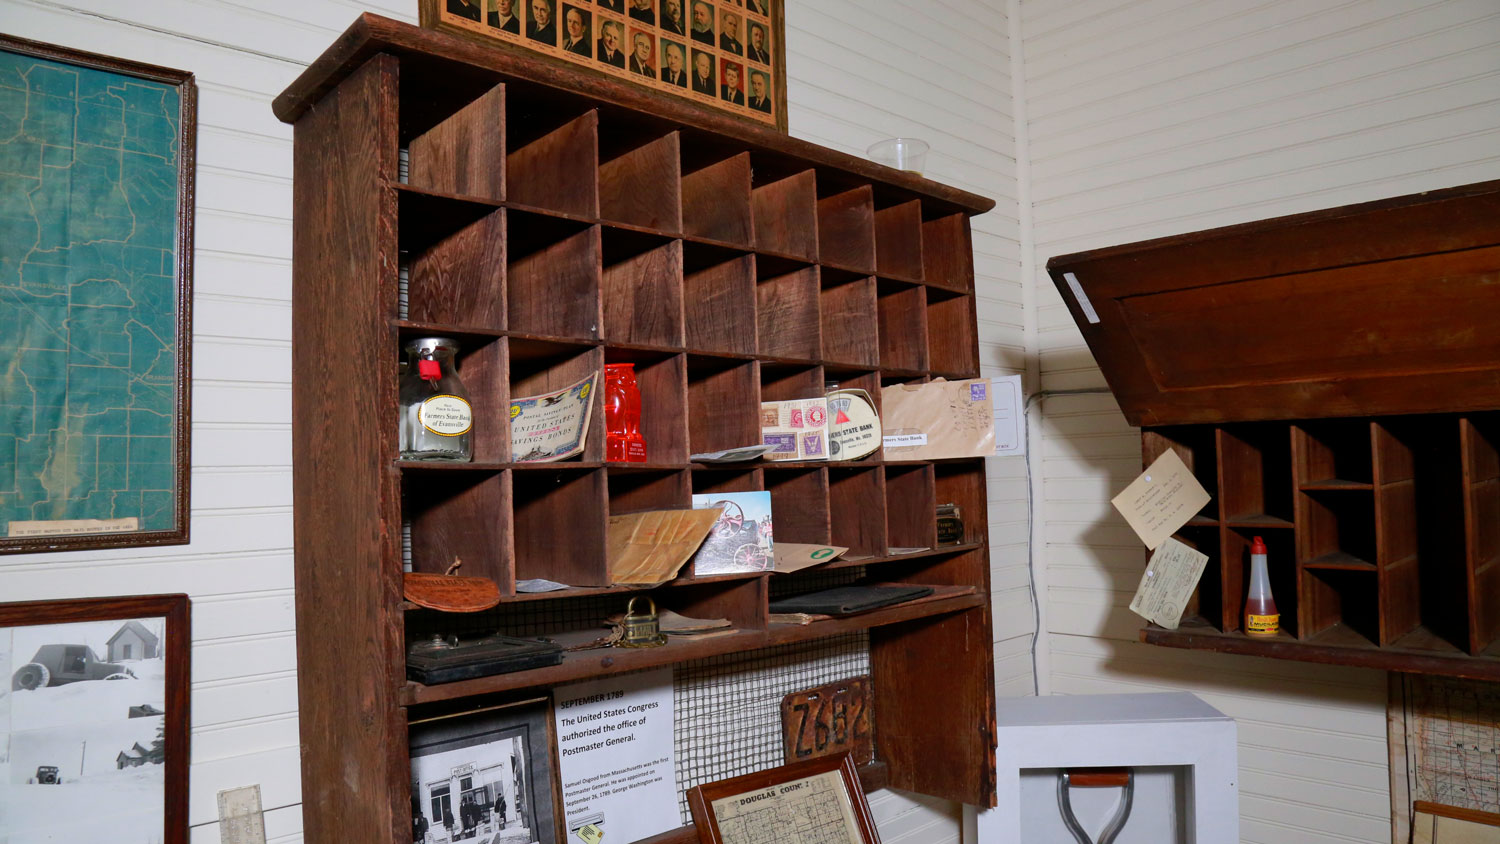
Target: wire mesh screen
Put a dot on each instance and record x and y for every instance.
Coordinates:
(729, 707)
(784, 585)
(524, 618)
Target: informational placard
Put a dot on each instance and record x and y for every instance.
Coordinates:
(614, 744)
(1161, 500)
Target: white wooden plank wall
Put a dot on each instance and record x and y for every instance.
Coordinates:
(1156, 117)
(862, 71)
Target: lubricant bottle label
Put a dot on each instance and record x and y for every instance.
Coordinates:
(1262, 625)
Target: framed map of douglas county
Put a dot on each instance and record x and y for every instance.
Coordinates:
(96, 210)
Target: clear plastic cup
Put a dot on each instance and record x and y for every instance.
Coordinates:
(908, 154)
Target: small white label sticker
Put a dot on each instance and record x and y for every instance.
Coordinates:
(446, 416)
(899, 440)
(1083, 300)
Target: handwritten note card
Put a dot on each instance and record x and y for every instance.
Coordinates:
(1161, 500)
(1168, 583)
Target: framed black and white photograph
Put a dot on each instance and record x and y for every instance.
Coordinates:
(94, 720)
(484, 777)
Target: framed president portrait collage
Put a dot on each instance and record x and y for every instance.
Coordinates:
(723, 54)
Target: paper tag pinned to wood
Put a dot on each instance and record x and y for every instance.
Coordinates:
(1168, 583)
(1161, 500)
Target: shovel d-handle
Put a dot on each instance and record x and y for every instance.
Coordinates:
(1070, 778)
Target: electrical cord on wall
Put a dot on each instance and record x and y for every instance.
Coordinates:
(1036, 601)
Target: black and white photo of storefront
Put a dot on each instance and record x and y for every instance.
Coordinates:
(475, 781)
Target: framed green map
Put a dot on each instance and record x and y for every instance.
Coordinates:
(96, 234)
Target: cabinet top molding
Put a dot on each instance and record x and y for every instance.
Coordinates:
(1379, 308)
(439, 58)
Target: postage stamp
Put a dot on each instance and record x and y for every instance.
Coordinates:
(785, 443)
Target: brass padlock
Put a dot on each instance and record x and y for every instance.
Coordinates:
(642, 630)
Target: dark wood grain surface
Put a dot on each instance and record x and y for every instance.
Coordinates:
(1376, 536)
(460, 62)
(347, 516)
(606, 236)
(1369, 309)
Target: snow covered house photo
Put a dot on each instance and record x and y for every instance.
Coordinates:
(80, 731)
(132, 641)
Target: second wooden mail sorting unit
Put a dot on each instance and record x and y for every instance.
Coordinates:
(1333, 380)
(554, 222)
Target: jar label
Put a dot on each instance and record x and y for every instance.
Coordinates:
(1264, 624)
(446, 416)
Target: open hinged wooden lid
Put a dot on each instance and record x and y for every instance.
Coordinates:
(1387, 307)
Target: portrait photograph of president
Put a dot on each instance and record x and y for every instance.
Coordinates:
(642, 54)
(703, 23)
(578, 31)
(729, 34)
(672, 18)
(732, 91)
(542, 27)
(608, 50)
(674, 69)
(466, 9)
(760, 91)
(703, 73)
(759, 48)
(503, 17)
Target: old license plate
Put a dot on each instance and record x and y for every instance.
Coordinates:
(829, 720)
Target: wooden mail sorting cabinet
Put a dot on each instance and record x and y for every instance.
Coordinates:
(1372, 328)
(553, 222)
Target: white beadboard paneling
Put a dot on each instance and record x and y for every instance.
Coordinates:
(237, 701)
(230, 274)
(249, 735)
(276, 770)
(243, 614)
(228, 402)
(283, 825)
(226, 488)
(904, 816)
(1155, 117)
(242, 359)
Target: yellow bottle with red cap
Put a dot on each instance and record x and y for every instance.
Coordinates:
(1261, 617)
